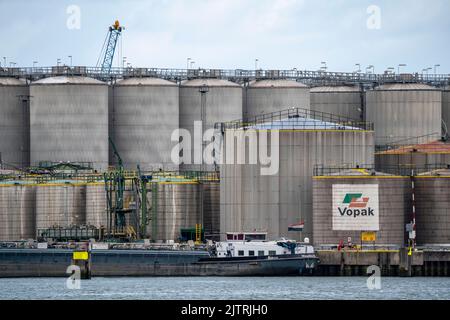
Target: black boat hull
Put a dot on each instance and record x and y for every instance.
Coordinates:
(54, 263)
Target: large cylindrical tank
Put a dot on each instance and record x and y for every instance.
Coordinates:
(69, 121)
(14, 122)
(178, 206)
(60, 205)
(17, 212)
(417, 157)
(391, 209)
(432, 194)
(344, 101)
(404, 111)
(211, 209)
(221, 101)
(96, 206)
(144, 115)
(270, 201)
(446, 107)
(267, 96)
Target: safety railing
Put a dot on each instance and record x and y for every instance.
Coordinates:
(240, 75)
(298, 118)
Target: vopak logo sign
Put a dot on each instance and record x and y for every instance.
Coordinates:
(355, 207)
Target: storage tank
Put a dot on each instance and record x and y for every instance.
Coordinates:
(96, 207)
(344, 101)
(273, 200)
(386, 199)
(418, 157)
(211, 209)
(432, 194)
(69, 121)
(446, 108)
(145, 114)
(14, 122)
(404, 111)
(60, 204)
(222, 103)
(17, 211)
(267, 96)
(178, 203)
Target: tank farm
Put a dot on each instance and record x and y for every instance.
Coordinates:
(360, 161)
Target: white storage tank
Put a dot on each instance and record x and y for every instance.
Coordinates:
(17, 211)
(222, 103)
(267, 96)
(144, 115)
(275, 200)
(69, 121)
(14, 123)
(403, 111)
(388, 196)
(344, 101)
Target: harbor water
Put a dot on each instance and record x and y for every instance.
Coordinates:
(229, 288)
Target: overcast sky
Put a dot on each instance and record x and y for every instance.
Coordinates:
(231, 34)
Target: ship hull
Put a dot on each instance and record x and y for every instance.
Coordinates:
(54, 263)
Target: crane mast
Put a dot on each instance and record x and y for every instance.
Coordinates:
(113, 35)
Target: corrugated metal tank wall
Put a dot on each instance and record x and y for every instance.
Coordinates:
(271, 203)
(178, 206)
(211, 210)
(96, 208)
(433, 207)
(446, 107)
(145, 113)
(17, 212)
(404, 111)
(394, 194)
(223, 103)
(344, 101)
(60, 205)
(14, 122)
(267, 96)
(69, 121)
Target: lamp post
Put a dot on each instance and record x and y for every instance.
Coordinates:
(256, 64)
(359, 67)
(192, 64)
(187, 63)
(70, 57)
(401, 65)
(435, 68)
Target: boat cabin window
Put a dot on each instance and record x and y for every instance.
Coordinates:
(272, 253)
(261, 253)
(251, 253)
(240, 252)
(255, 236)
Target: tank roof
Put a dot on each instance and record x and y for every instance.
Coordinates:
(277, 84)
(210, 82)
(301, 123)
(405, 86)
(438, 173)
(358, 173)
(11, 82)
(335, 89)
(68, 80)
(146, 81)
(430, 147)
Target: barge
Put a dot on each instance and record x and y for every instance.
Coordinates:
(229, 258)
